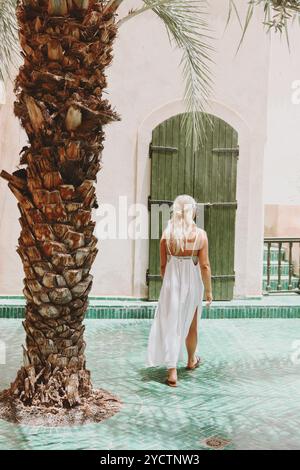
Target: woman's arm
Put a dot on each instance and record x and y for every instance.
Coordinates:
(163, 255)
(205, 269)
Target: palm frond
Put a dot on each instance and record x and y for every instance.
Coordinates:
(9, 48)
(138, 11)
(277, 15)
(188, 29)
(112, 5)
(233, 8)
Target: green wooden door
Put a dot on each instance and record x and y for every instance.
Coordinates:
(209, 175)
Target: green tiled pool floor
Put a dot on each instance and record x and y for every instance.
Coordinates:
(246, 391)
(268, 306)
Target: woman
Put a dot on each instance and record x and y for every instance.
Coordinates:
(185, 270)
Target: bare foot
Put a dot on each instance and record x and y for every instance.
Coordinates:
(172, 377)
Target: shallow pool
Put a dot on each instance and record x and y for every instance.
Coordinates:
(246, 391)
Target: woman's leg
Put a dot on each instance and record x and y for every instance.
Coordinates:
(192, 341)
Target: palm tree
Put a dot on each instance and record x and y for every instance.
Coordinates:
(66, 46)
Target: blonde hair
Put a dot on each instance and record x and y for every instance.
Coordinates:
(181, 223)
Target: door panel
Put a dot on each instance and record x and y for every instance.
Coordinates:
(209, 175)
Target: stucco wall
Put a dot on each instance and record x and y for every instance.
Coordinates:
(144, 82)
(282, 220)
(12, 139)
(282, 154)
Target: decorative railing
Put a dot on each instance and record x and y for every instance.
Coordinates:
(280, 271)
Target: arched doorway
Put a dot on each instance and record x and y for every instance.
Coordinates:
(209, 174)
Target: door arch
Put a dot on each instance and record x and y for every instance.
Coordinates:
(209, 174)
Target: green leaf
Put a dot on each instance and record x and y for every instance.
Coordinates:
(277, 15)
(9, 45)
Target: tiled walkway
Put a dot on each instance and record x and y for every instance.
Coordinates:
(246, 391)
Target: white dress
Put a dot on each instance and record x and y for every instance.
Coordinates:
(181, 293)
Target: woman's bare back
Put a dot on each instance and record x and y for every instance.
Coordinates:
(195, 240)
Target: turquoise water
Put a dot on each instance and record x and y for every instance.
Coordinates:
(246, 391)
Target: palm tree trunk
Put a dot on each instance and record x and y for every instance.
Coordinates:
(67, 45)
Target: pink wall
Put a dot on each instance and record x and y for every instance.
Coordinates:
(283, 221)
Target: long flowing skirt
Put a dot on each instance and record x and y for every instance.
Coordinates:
(181, 294)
